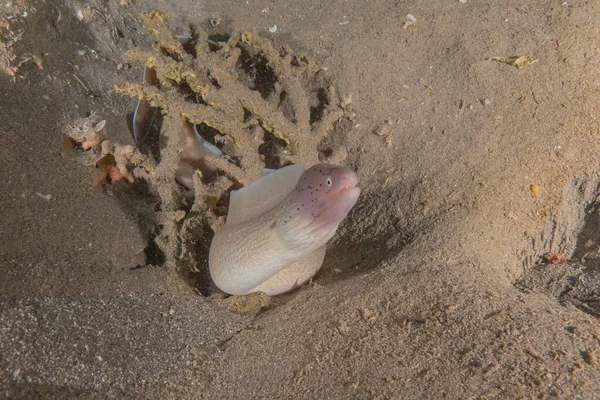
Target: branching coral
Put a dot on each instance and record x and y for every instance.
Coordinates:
(267, 118)
(227, 104)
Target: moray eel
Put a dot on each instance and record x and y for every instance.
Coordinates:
(276, 230)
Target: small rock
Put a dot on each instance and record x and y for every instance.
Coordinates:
(369, 316)
(384, 128)
(410, 20)
(346, 100)
(388, 139)
(343, 327)
(44, 196)
(590, 357)
(248, 304)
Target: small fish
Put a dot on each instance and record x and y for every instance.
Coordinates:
(196, 148)
(144, 114)
(277, 227)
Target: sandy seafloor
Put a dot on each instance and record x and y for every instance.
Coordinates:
(435, 286)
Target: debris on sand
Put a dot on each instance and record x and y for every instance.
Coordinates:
(44, 196)
(383, 128)
(519, 62)
(108, 170)
(248, 304)
(555, 258)
(13, 16)
(410, 20)
(113, 160)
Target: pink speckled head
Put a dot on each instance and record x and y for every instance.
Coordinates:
(323, 197)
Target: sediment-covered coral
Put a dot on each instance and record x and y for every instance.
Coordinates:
(206, 86)
(263, 107)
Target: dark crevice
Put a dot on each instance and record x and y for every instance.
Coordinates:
(588, 241)
(208, 133)
(316, 113)
(247, 115)
(272, 150)
(150, 144)
(200, 279)
(217, 38)
(214, 81)
(259, 75)
(189, 46)
(154, 255)
(325, 153)
(186, 92)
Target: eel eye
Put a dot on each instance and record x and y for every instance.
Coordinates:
(329, 182)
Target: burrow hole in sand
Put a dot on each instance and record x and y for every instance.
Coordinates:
(575, 235)
(346, 256)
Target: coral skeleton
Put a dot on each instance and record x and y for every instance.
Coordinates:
(263, 108)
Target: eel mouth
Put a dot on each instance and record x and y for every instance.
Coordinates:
(349, 181)
(341, 190)
(337, 207)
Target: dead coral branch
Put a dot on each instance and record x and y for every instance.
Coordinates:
(226, 103)
(262, 106)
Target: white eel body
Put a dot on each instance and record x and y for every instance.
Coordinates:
(277, 227)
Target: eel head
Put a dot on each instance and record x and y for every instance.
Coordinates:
(322, 198)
